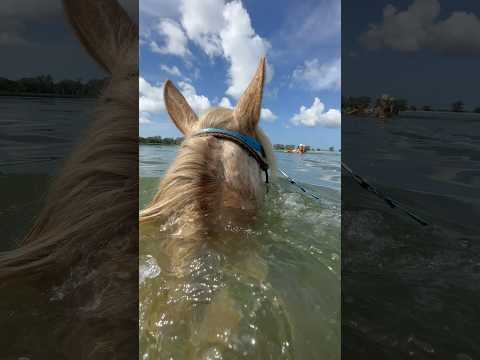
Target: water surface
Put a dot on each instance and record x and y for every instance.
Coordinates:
(36, 134)
(424, 280)
(273, 294)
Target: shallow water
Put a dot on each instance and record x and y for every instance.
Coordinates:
(267, 292)
(424, 280)
(36, 134)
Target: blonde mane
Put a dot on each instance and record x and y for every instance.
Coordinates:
(195, 181)
(84, 242)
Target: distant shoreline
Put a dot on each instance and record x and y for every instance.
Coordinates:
(419, 113)
(281, 151)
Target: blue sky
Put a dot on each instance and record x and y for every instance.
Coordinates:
(210, 50)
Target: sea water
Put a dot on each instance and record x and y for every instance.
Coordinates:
(275, 295)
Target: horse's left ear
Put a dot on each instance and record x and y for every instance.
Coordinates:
(105, 30)
(177, 107)
(247, 111)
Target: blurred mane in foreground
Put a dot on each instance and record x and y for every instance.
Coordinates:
(84, 243)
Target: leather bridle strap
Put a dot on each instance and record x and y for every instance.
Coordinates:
(248, 143)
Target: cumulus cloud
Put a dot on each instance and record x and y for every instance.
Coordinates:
(419, 27)
(203, 21)
(151, 99)
(267, 115)
(171, 70)
(319, 76)
(199, 103)
(316, 115)
(174, 40)
(242, 47)
(219, 29)
(145, 118)
(225, 102)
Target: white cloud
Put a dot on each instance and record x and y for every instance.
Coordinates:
(174, 38)
(316, 115)
(319, 76)
(145, 118)
(150, 102)
(225, 102)
(418, 27)
(242, 47)
(268, 115)
(265, 114)
(224, 29)
(171, 70)
(199, 103)
(151, 99)
(203, 21)
(220, 29)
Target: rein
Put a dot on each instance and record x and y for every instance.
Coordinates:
(248, 143)
(392, 203)
(256, 150)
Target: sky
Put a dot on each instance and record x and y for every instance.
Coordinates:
(426, 51)
(210, 49)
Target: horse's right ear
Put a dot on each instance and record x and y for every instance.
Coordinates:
(104, 28)
(177, 106)
(249, 107)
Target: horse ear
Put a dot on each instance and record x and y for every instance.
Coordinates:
(104, 29)
(177, 106)
(247, 111)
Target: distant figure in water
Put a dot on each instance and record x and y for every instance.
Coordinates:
(301, 149)
(385, 107)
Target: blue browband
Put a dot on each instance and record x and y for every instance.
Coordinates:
(250, 144)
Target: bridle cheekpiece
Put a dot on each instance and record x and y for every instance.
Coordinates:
(248, 143)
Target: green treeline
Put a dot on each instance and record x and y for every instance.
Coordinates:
(158, 140)
(46, 86)
(366, 102)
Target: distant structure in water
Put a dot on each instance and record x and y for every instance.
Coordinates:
(385, 106)
(301, 149)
